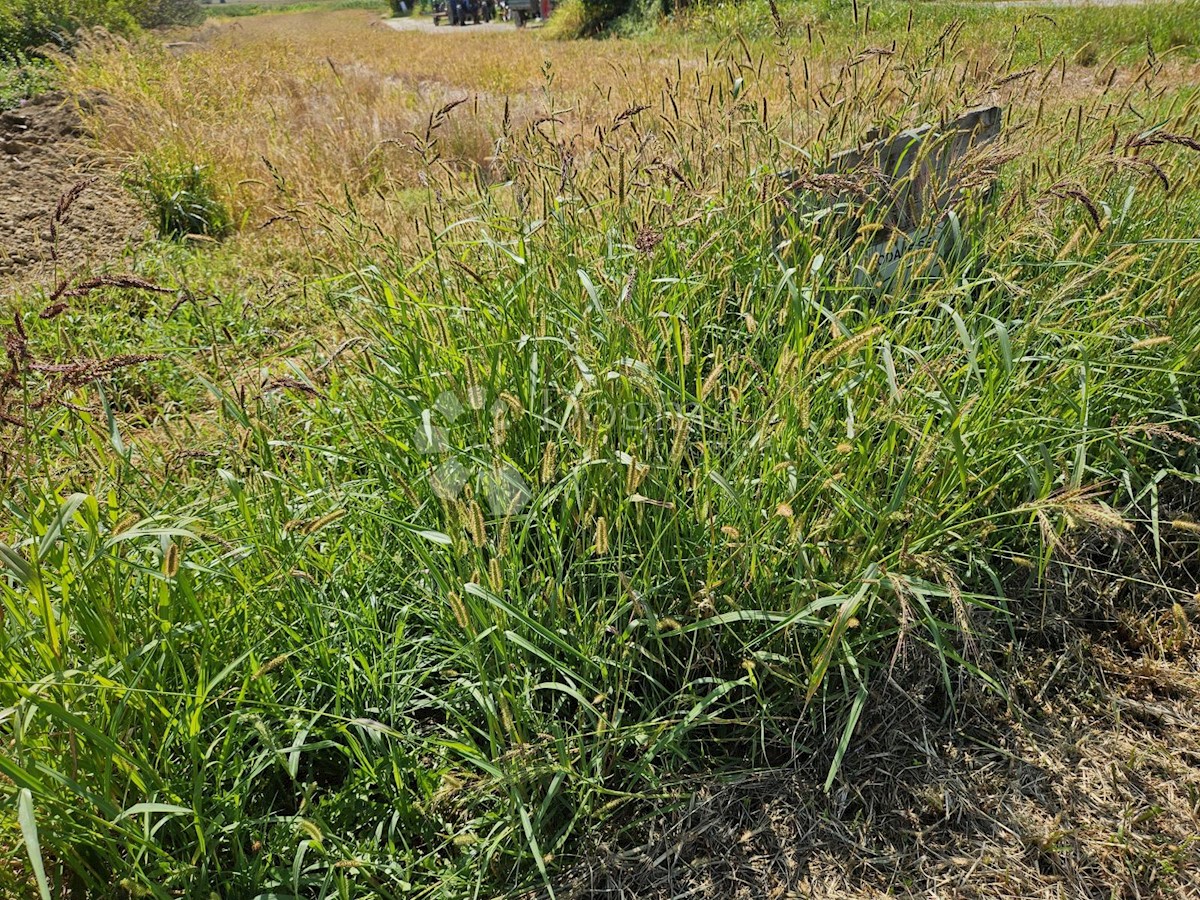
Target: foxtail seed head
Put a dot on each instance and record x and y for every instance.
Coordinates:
(549, 459)
(601, 541)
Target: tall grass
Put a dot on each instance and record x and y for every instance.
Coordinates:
(314, 107)
(616, 488)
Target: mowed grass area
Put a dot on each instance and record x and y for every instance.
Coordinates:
(520, 464)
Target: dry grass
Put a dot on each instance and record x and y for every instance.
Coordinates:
(307, 107)
(305, 112)
(1077, 802)
(1084, 782)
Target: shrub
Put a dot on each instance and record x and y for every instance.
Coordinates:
(26, 25)
(585, 18)
(571, 20)
(182, 200)
(25, 79)
(158, 13)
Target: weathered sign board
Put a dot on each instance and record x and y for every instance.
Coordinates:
(907, 186)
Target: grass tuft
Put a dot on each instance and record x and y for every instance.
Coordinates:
(181, 199)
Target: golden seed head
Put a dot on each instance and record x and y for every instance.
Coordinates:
(477, 528)
(461, 615)
(848, 345)
(635, 472)
(601, 541)
(499, 427)
(711, 381)
(549, 459)
(506, 716)
(171, 560)
(1098, 514)
(513, 402)
(126, 522)
(475, 396)
(679, 441)
(270, 666)
(316, 525)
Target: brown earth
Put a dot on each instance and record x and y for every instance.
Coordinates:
(42, 156)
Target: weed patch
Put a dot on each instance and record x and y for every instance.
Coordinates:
(181, 200)
(23, 79)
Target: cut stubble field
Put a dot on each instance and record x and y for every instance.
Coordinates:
(502, 484)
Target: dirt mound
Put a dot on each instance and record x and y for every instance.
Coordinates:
(42, 156)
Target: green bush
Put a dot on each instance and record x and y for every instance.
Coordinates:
(157, 13)
(585, 18)
(181, 200)
(26, 25)
(23, 80)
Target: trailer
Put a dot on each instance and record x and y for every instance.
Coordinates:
(521, 11)
(460, 12)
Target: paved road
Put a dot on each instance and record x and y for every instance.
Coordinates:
(415, 23)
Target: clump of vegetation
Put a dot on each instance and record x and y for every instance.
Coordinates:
(23, 78)
(588, 18)
(26, 25)
(571, 19)
(182, 200)
(615, 474)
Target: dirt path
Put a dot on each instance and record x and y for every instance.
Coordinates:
(42, 156)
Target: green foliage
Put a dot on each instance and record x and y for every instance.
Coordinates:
(572, 19)
(26, 25)
(181, 199)
(158, 13)
(240, 10)
(592, 16)
(23, 79)
(1123, 31)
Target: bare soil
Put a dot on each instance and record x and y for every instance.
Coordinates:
(42, 156)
